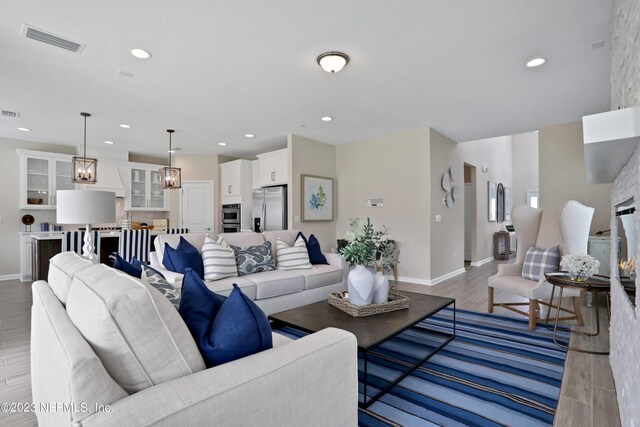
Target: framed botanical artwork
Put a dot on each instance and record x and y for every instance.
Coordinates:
(317, 198)
(507, 204)
(492, 201)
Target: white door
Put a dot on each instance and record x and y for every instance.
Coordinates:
(468, 213)
(196, 205)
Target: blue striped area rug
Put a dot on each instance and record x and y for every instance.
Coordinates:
(494, 373)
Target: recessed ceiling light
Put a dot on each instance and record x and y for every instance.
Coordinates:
(249, 135)
(332, 62)
(536, 62)
(125, 126)
(222, 143)
(140, 53)
(24, 129)
(109, 142)
(327, 119)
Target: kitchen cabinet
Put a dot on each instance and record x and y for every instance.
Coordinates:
(230, 178)
(26, 247)
(145, 193)
(274, 168)
(41, 175)
(255, 175)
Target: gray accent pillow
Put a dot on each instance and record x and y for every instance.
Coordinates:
(254, 259)
(538, 261)
(155, 279)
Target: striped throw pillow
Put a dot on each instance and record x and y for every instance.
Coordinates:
(293, 257)
(218, 259)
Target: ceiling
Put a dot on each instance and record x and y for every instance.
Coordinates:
(221, 69)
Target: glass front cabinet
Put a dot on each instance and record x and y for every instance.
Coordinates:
(41, 175)
(145, 193)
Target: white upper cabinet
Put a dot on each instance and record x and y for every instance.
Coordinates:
(235, 182)
(255, 174)
(274, 168)
(41, 175)
(230, 178)
(145, 193)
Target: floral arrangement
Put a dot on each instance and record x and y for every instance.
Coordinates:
(580, 265)
(367, 246)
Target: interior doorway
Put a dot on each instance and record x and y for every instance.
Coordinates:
(196, 205)
(470, 209)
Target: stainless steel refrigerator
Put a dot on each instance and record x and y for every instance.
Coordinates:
(270, 209)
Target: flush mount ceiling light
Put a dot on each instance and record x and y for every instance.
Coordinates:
(536, 62)
(125, 126)
(222, 143)
(249, 135)
(109, 142)
(84, 169)
(140, 53)
(170, 177)
(24, 129)
(327, 119)
(332, 62)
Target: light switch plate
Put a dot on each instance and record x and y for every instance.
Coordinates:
(296, 218)
(438, 218)
(375, 203)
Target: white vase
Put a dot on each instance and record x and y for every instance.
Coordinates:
(360, 286)
(380, 288)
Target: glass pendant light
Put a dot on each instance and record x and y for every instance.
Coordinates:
(84, 169)
(170, 177)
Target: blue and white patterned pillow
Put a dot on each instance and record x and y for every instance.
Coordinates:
(254, 259)
(538, 261)
(155, 279)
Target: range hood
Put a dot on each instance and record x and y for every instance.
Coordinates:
(108, 178)
(610, 139)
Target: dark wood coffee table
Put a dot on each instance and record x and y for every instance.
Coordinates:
(371, 331)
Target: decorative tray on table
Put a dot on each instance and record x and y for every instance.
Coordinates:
(396, 301)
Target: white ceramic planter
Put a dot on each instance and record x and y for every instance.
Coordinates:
(380, 288)
(360, 286)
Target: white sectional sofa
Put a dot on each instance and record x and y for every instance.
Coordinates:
(272, 291)
(108, 350)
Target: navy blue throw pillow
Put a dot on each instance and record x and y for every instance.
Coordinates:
(179, 260)
(224, 329)
(185, 246)
(134, 268)
(314, 250)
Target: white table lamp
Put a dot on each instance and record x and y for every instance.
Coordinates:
(86, 207)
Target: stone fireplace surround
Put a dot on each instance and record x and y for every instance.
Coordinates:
(625, 318)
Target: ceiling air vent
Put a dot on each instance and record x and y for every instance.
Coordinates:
(11, 114)
(52, 39)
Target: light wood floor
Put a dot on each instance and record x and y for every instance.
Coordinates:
(587, 397)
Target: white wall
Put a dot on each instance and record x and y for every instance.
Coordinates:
(394, 168)
(496, 155)
(563, 174)
(309, 157)
(525, 166)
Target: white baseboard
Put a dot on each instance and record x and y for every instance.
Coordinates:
(9, 277)
(481, 262)
(447, 276)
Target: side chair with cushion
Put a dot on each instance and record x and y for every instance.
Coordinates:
(567, 228)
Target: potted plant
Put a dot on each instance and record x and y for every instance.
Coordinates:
(367, 247)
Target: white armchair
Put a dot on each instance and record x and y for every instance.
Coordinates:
(569, 228)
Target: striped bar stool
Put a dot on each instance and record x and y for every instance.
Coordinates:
(73, 241)
(134, 243)
(177, 231)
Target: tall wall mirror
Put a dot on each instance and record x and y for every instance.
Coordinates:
(500, 202)
(626, 224)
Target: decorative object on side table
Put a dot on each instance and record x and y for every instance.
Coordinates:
(367, 247)
(580, 267)
(317, 198)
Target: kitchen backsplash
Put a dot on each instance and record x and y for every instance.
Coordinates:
(49, 216)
